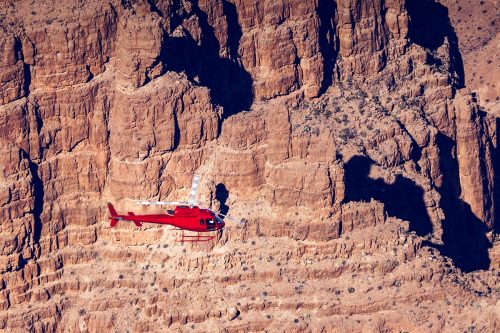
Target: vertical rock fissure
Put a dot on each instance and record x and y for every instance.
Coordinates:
(38, 193)
(463, 238)
(38, 198)
(328, 42)
(234, 29)
(18, 51)
(177, 131)
(496, 180)
(487, 151)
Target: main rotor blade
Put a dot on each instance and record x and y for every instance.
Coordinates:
(171, 203)
(240, 222)
(225, 216)
(194, 190)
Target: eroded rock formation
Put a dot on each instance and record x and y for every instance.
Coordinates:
(365, 170)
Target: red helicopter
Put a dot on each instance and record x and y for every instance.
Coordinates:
(187, 215)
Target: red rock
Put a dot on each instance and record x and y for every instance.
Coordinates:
(125, 100)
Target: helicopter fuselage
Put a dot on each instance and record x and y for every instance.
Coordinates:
(190, 218)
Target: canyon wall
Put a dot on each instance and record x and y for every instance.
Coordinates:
(317, 118)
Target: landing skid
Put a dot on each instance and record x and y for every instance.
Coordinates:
(194, 238)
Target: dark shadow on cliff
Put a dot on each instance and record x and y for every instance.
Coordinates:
(403, 199)
(38, 195)
(464, 239)
(429, 26)
(230, 85)
(18, 52)
(221, 195)
(38, 202)
(328, 43)
(234, 33)
(496, 181)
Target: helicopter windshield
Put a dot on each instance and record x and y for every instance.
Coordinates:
(219, 220)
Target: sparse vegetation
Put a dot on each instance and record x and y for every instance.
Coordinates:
(347, 133)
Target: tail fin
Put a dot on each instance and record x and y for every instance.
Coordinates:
(113, 213)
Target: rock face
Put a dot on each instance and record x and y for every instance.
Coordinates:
(339, 130)
(476, 27)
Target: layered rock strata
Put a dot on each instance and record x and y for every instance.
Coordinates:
(336, 131)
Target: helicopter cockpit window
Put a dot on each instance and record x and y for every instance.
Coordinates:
(202, 221)
(210, 221)
(219, 220)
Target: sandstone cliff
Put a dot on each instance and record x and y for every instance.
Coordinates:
(344, 135)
